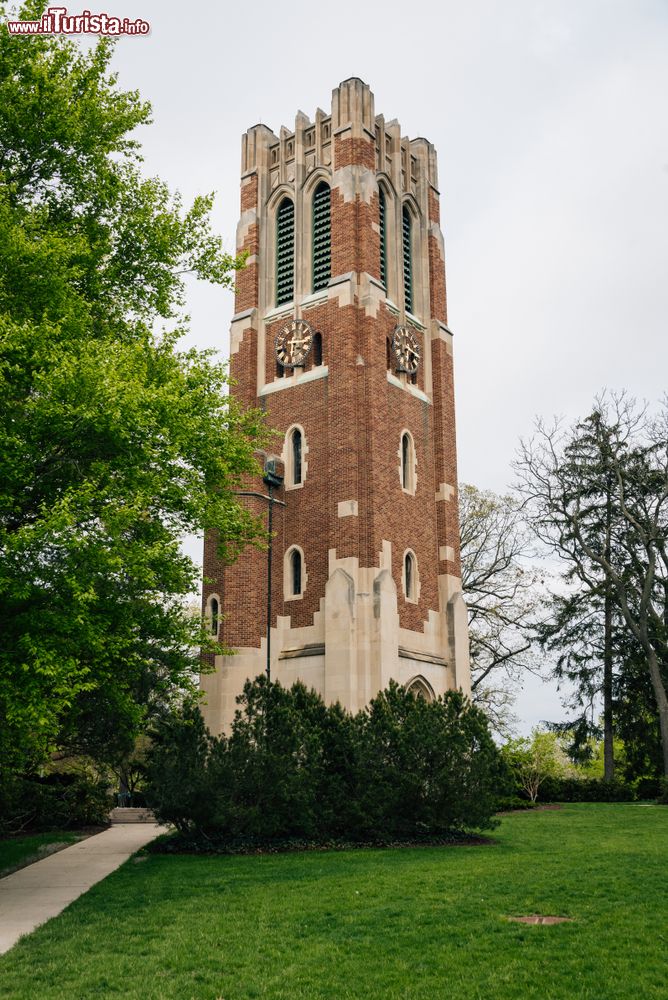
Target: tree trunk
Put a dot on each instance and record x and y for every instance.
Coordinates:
(662, 704)
(608, 739)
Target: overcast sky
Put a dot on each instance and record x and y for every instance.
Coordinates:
(549, 120)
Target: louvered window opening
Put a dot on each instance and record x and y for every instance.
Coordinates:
(383, 244)
(408, 263)
(322, 237)
(285, 252)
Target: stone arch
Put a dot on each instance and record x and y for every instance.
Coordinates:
(421, 688)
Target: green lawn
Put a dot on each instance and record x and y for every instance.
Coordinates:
(18, 851)
(419, 924)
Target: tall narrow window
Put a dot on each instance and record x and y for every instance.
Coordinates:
(383, 238)
(409, 575)
(407, 463)
(408, 262)
(317, 349)
(405, 460)
(322, 237)
(296, 572)
(296, 457)
(388, 354)
(214, 609)
(285, 252)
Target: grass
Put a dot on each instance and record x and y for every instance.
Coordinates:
(410, 924)
(15, 852)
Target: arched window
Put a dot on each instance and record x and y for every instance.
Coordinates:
(407, 466)
(214, 615)
(409, 573)
(295, 451)
(322, 237)
(383, 237)
(410, 576)
(408, 261)
(296, 572)
(296, 457)
(317, 349)
(405, 459)
(421, 689)
(285, 252)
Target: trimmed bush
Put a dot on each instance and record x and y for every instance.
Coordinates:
(296, 769)
(584, 790)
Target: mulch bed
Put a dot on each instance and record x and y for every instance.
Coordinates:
(548, 807)
(177, 844)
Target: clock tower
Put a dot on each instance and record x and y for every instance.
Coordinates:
(340, 334)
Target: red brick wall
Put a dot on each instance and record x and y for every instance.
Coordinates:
(352, 421)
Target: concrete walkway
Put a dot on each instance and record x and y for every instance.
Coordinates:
(34, 894)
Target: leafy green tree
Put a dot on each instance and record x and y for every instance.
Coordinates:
(532, 760)
(113, 442)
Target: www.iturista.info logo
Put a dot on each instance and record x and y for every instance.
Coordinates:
(56, 21)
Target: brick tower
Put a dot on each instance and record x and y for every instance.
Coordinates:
(340, 333)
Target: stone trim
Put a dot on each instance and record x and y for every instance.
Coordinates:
(407, 387)
(277, 312)
(286, 383)
(248, 218)
(310, 649)
(348, 508)
(445, 492)
(414, 654)
(240, 324)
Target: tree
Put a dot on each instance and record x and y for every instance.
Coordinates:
(584, 627)
(586, 633)
(113, 442)
(533, 760)
(502, 592)
(561, 472)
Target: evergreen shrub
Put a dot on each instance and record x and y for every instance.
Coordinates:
(295, 769)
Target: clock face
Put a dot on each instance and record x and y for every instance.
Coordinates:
(293, 343)
(406, 350)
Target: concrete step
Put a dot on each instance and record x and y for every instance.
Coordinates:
(131, 814)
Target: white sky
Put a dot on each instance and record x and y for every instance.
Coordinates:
(549, 120)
